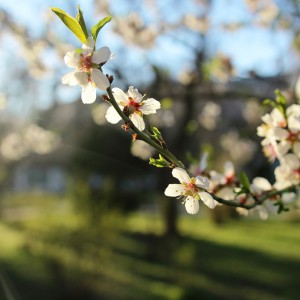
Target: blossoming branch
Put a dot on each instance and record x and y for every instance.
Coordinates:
(280, 130)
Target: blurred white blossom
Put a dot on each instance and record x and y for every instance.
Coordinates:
(141, 149)
(3, 101)
(209, 115)
(33, 138)
(13, 147)
(267, 14)
(199, 24)
(240, 150)
(98, 113)
(252, 111)
(39, 140)
(133, 31)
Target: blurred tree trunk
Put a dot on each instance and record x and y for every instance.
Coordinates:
(170, 216)
(180, 142)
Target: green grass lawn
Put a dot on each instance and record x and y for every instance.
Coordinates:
(57, 256)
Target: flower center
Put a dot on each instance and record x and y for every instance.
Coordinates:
(191, 189)
(270, 152)
(86, 62)
(292, 137)
(132, 105)
(229, 179)
(296, 173)
(282, 123)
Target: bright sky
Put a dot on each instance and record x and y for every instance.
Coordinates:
(250, 48)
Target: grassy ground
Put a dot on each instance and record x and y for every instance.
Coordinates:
(52, 254)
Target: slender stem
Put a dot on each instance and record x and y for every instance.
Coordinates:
(142, 136)
(256, 203)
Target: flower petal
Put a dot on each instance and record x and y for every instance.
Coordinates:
(262, 212)
(296, 148)
(88, 93)
(229, 169)
(149, 106)
(203, 162)
(260, 184)
(138, 121)
(88, 46)
(202, 182)
(181, 175)
(82, 78)
(291, 161)
(288, 197)
(112, 116)
(99, 79)
(134, 94)
(119, 95)
(101, 56)
(207, 199)
(282, 148)
(280, 133)
(72, 59)
(70, 79)
(191, 205)
(174, 190)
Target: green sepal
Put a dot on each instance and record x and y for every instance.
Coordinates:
(71, 23)
(280, 99)
(244, 182)
(160, 162)
(269, 102)
(80, 19)
(97, 27)
(156, 134)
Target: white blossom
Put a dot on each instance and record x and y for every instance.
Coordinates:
(281, 133)
(191, 189)
(222, 183)
(87, 73)
(288, 172)
(135, 106)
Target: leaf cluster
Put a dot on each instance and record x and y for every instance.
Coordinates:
(77, 25)
(160, 162)
(279, 102)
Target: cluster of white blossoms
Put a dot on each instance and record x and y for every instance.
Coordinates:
(87, 74)
(31, 139)
(281, 133)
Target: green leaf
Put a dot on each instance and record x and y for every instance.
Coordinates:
(97, 27)
(244, 181)
(71, 23)
(80, 19)
(281, 208)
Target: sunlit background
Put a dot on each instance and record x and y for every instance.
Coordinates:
(82, 213)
